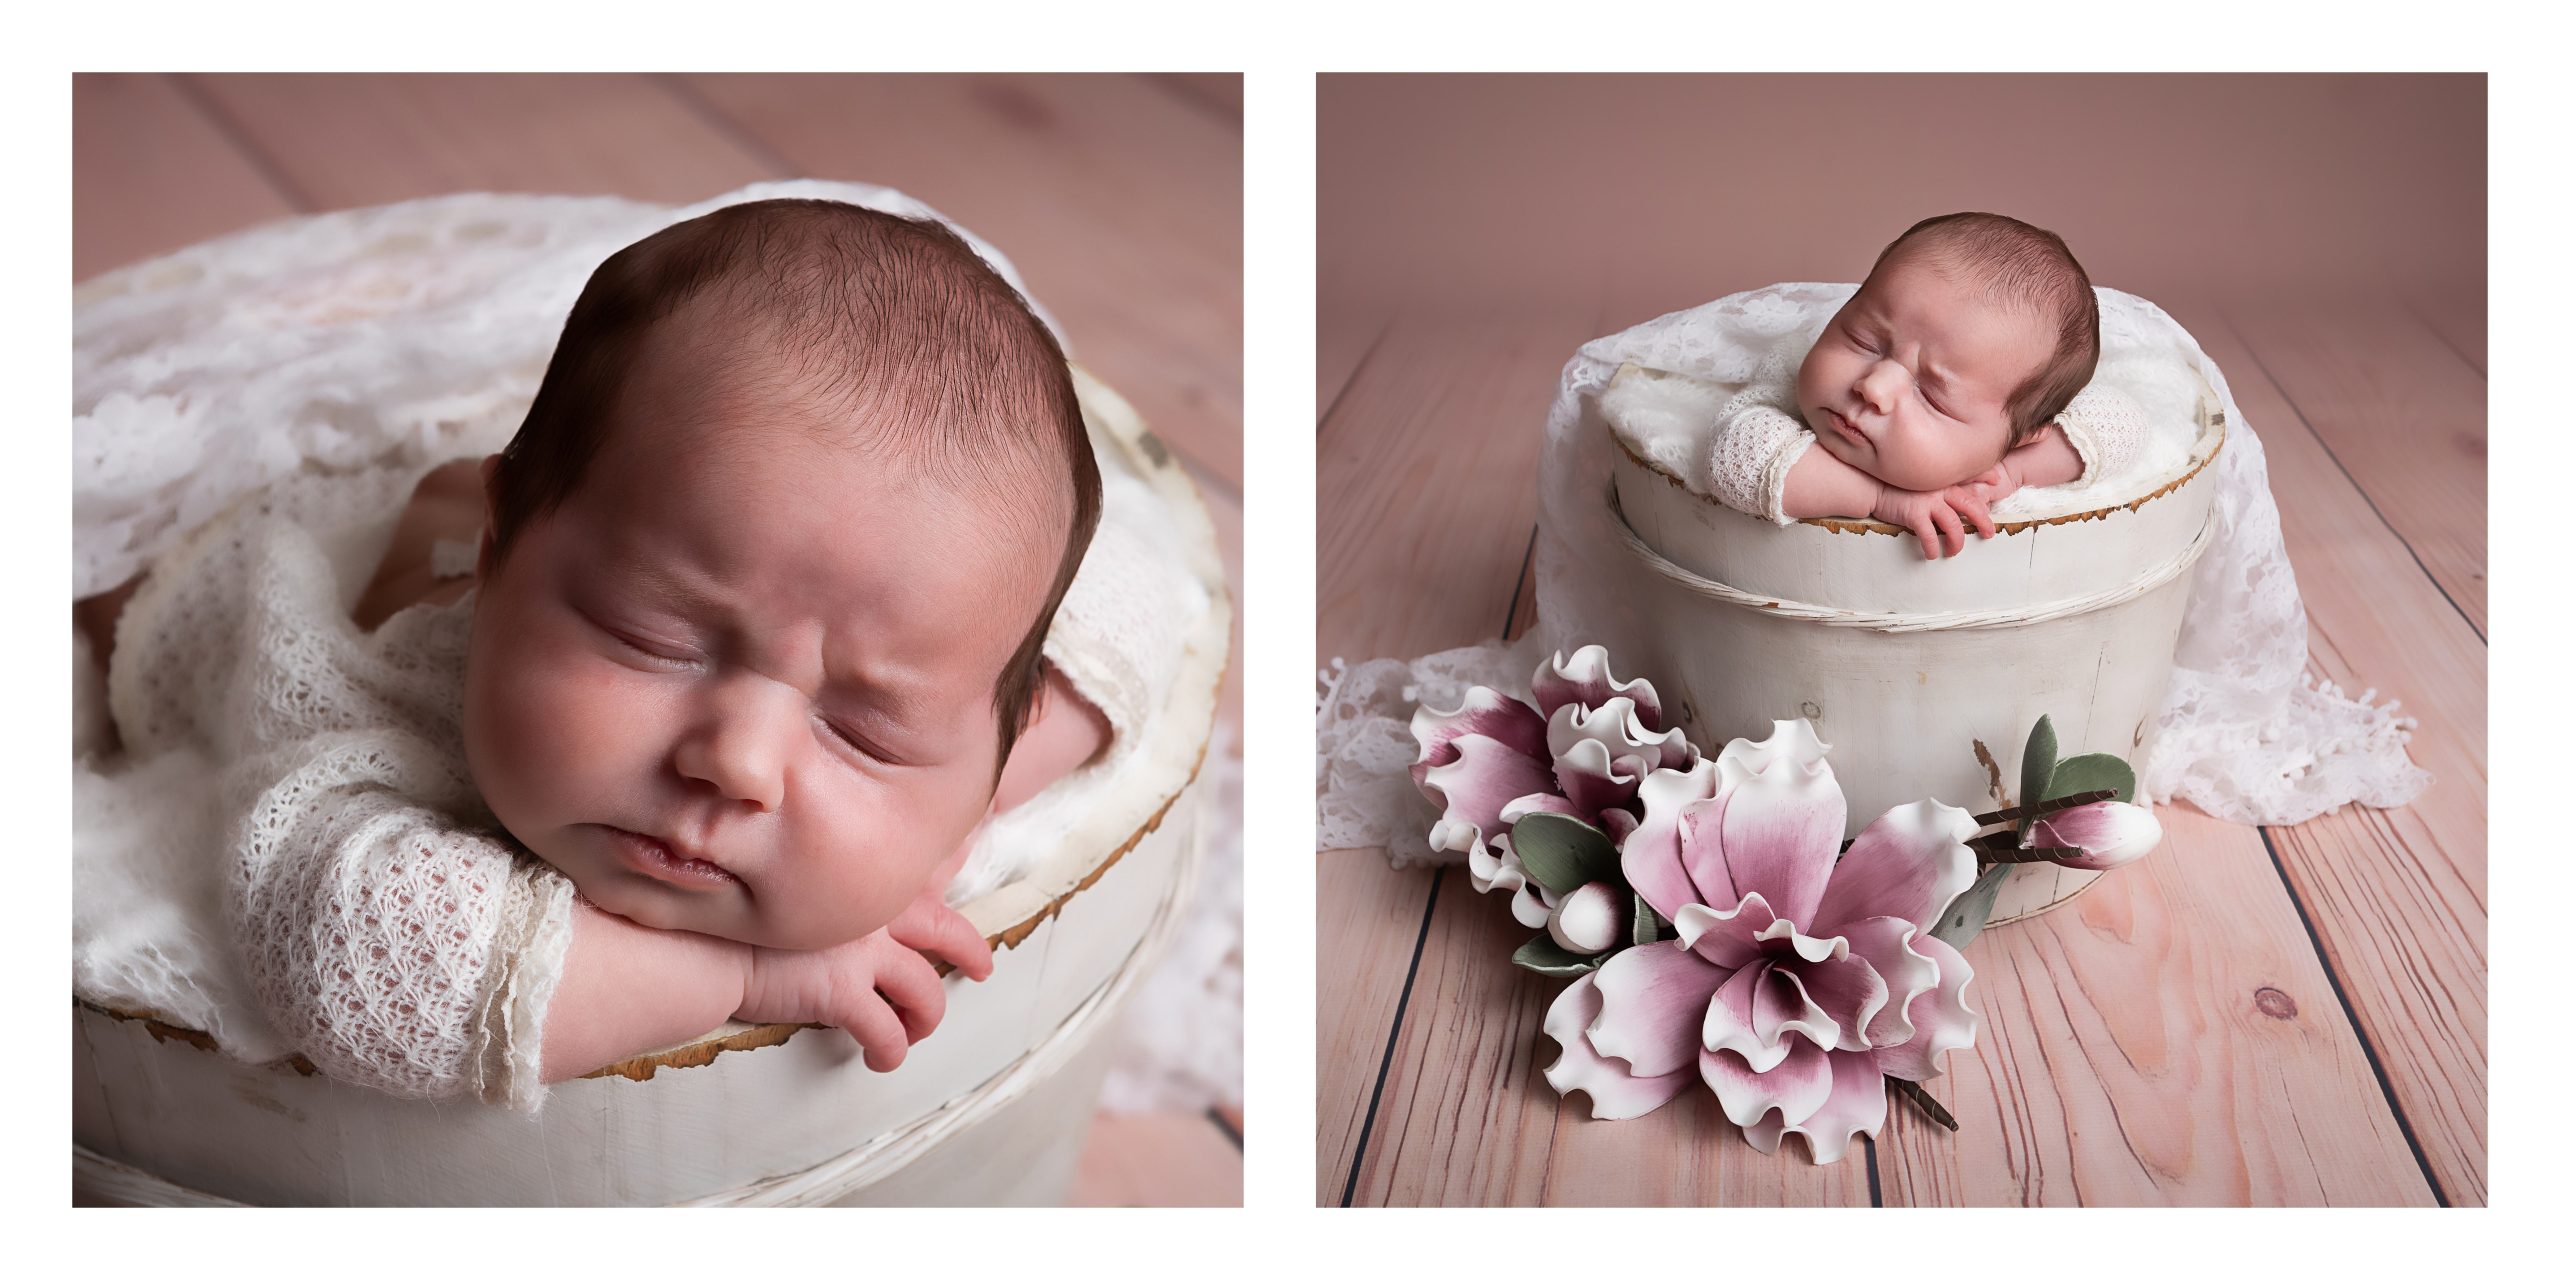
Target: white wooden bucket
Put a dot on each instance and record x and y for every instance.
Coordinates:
(991, 1109)
(1902, 664)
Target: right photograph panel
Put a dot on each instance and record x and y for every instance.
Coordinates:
(1902, 640)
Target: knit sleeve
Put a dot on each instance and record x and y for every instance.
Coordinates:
(1120, 630)
(1756, 441)
(390, 933)
(2107, 429)
(390, 946)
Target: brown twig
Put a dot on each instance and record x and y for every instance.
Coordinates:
(2043, 807)
(1921, 1101)
(2003, 846)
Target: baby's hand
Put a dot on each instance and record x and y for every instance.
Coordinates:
(1997, 483)
(881, 987)
(1931, 516)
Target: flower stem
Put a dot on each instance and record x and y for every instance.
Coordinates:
(2003, 846)
(1921, 1101)
(2030, 812)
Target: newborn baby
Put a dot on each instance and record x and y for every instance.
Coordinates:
(1957, 374)
(753, 643)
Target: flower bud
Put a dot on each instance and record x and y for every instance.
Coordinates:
(1590, 920)
(2108, 833)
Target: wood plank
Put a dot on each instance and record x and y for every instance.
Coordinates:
(1219, 92)
(2458, 314)
(1426, 484)
(150, 174)
(1158, 1159)
(1122, 206)
(2167, 1037)
(2405, 415)
(2397, 897)
(1342, 343)
(351, 140)
(1369, 917)
(1467, 1117)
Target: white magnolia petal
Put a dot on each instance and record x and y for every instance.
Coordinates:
(1909, 863)
(1482, 711)
(1789, 740)
(1584, 678)
(1856, 1106)
(1942, 1018)
(2109, 833)
(1615, 1092)
(1590, 920)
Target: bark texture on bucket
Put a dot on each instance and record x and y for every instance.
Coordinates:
(1924, 677)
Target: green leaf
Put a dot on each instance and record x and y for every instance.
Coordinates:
(1971, 910)
(2095, 771)
(2035, 773)
(1542, 955)
(1648, 925)
(1563, 853)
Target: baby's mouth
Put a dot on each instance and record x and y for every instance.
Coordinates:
(1841, 425)
(659, 860)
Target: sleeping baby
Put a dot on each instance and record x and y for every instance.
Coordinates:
(753, 634)
(1956, 375)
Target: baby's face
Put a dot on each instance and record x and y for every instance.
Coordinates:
(742, 682)
(1909, 381)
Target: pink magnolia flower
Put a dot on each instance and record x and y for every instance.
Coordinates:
(1583, 750)
(1797, 983)
(2108, 833)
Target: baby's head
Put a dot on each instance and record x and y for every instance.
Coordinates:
(1972, 331)
(768, 568)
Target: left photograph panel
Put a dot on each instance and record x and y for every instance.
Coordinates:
(657, 640)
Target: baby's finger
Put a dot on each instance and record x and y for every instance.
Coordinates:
(914, 992)
(874, 1026)
(1976, 512)
(944, 934)
(1952, 525)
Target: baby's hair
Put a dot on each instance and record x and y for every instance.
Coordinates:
(2029, 268)
(948, 365)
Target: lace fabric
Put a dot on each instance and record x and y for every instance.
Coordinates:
(2244, 733)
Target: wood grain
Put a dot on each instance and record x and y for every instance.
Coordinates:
(151, 173)
(1342, 344)
(2166, 1037)
(1427, 487)
(1369, 917)
(350, 140)
(2399, 897)
(1121, 203)
(2405, 415)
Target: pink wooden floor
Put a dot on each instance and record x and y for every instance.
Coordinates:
(2254, 1015)
(1119, 198)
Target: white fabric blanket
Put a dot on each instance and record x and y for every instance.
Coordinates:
(2243, 734)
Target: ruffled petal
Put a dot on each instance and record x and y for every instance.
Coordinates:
(1584, 678)
(1848, 990)
(1482, 778)
(1856, 1106)
(1615, 1092)
(1910, 863)
(1484, 712)
(1727, 1025)
(1942, 1018)
(1730, 939)
(1885, 942)
(1778, 832)
(1592, 779)
(1653, 999)
(1781, 1005)
(1651, 854)
(1794, 1088)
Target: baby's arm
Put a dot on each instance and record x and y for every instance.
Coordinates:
(1065, 731)
(627, 989)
